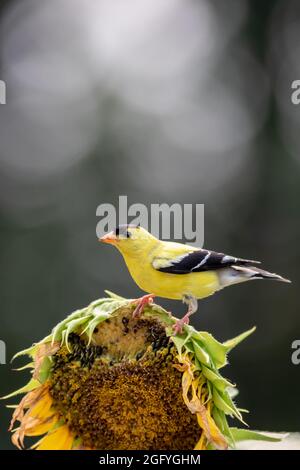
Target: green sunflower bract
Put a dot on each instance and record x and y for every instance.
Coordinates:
(105, 380)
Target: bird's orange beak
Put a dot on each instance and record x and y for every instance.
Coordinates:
(108, 238)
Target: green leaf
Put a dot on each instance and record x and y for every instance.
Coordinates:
(108, 306)
(92, 325)
(248, 435)
(156, 311)
(45, 369)
(232, 343)
(224, 403)
(112, 295)
(32, 384)
(72, 326)
(60, 327)
(215, 378)
(100, 309)
(180, 341)
(214, 348)
(201, 354)
(26, 352)
(30, 365)
(221, 421)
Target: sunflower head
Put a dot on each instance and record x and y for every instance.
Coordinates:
(105, 380)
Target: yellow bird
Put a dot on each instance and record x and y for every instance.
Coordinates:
(177, 271)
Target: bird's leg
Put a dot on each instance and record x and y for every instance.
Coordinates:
(141, 304)
(192, 308)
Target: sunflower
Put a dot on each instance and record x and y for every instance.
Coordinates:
(107, 381)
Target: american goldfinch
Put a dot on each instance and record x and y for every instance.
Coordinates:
(177, 271)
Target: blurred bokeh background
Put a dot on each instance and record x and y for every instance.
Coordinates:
(173, 101)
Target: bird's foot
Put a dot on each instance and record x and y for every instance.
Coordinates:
(178, 327)
(192, 303)
(141, 304)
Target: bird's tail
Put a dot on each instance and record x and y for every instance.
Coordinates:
(253, 272)
(236, 274)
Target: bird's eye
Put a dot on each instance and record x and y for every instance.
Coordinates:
(122, 232)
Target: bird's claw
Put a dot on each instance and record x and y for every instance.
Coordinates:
(141, 304)
(178, 327)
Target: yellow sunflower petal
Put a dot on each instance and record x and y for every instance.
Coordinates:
(31, 426)
(195, 401)
(59, 439)
(29, 400)
(42, 428)
(200, 444)
(211, 430)
(41, 409)
(38, 419)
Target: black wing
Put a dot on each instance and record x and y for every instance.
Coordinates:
(197, 261)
